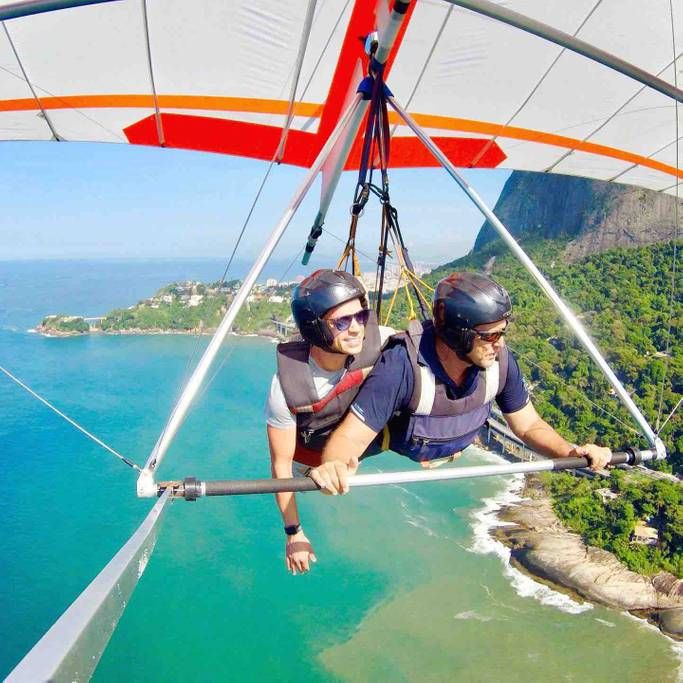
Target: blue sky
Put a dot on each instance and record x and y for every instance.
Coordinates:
(78, 200)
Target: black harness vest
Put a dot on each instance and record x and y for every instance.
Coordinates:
(435, 420)
(317, 417)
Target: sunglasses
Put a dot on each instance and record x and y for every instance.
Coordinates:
(491, 337)
(343, 322)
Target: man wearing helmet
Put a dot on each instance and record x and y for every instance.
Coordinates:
(433, 387)
(317, 380)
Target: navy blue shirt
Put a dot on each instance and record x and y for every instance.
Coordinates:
(389, 387)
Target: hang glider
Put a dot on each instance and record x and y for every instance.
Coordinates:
(215, 76)
(585, 88)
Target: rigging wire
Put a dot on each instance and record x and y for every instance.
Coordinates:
(680, 400)
(343, 241)
(322, 52)
(526, 101)
(672, 298)
(43, 113)
(581, 394)
(291, 263)
(128, 462)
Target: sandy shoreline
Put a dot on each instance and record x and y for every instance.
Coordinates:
(542, 548)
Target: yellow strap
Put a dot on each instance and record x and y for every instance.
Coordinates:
(356, 265)
(386, 436)
(391, 306)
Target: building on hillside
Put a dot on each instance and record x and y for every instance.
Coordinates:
(606, 495)
(644, 534)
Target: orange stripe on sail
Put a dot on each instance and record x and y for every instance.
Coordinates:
(310, 109)
(516, 133)
(198, 102)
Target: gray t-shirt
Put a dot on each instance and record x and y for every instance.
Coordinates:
(278, 414)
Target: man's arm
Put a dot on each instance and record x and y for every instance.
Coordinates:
(282, 443)
(388, 387)
(340, 456)
(527, 424)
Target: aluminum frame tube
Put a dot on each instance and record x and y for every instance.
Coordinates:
(387, 37)
(146, 486)
(563, 309)
(341, 152)
(304, 484)
(71, 649)
(537, 28)
(26, 8)
(305, 35)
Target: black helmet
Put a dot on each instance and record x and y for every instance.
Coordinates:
(317, 294)
(464, 300)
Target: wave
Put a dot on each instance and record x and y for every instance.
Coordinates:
(485, 519)
(605, 622)
(471, 614)
(416, 520)
(408, 492)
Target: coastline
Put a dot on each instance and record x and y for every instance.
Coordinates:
(541, 547)
(58, 334)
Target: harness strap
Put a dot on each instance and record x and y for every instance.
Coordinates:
(424, 398)
(386, 437)
(349, 381)
(427, 391)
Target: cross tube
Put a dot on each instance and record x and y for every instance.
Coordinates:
(191, 488)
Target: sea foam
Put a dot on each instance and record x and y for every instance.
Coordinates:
(485, 519)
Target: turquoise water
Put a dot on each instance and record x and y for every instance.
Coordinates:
(398, 593)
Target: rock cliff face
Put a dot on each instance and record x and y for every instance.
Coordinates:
(594, 215)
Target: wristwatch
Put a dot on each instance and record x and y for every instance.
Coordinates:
(292, 529)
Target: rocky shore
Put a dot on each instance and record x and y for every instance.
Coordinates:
(542, 547)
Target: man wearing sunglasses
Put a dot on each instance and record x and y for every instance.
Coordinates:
(317, 379)
(433, 387)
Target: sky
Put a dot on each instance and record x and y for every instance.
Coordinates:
(83, 200)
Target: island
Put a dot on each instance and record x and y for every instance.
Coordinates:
(189, 307)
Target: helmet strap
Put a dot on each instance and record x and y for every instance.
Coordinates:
(460, 340)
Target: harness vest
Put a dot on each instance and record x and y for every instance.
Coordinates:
(434, 424)
(316, 417)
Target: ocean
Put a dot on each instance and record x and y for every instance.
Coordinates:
(408, 586)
